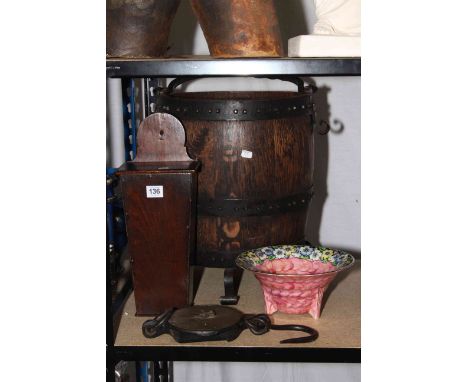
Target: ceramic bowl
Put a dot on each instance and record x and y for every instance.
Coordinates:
(294, 277)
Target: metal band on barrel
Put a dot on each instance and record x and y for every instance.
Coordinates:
(234, 110)
(252, 207)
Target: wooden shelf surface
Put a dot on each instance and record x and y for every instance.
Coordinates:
(339, 326)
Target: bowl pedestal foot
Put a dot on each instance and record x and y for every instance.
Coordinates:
(316, 305)
(270, 305)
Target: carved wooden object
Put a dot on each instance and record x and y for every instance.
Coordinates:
(159, 198)
(161, 137)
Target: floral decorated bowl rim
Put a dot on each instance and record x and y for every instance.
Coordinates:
(248, 260)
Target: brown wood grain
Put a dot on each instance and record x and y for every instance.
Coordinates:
(160, 237)
(161, 137)
(281, 165)
(161, 231)
(139, 29)
(240, 28)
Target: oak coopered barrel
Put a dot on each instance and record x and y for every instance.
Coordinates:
(255, 183)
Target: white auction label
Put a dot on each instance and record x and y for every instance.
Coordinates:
(154, 191)
(246, 154)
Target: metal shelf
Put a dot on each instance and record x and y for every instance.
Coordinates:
(238, 354)
(220, 67)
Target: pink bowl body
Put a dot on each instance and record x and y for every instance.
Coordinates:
(294, 294)
(294, 278)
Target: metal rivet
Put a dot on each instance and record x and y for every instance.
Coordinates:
(196, 110)
(236, 111)
(244, 111)
(303, 201)
(217, 110)
(210, 111)
(294, 107)
(303, 106)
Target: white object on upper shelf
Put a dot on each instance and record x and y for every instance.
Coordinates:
(324, 46)
(337, 32)
(338, 17)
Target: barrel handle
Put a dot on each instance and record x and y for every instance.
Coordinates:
(295, 80)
